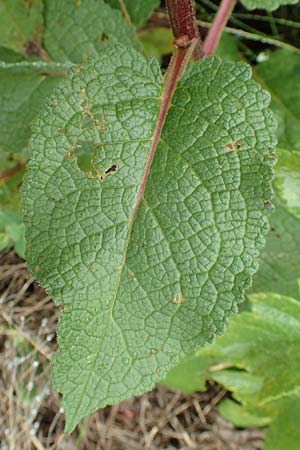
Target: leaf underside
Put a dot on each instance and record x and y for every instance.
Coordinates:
(269, 5)
(137, 299)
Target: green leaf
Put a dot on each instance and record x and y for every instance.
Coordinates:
(269, 5)
(141, 291)
(280, 259)
(138, 11)
(262, 341)
(156, 42)
(76, 29)
(284, 432)
(228, 48)
(280, 75)
(23, 88)
(287, 181)
(21, 24)
(240, 416)
(12, 231)
(190, 374)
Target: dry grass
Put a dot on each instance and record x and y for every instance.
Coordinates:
(30, 413)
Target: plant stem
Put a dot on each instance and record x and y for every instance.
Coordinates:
(182, 16)
(124, 11)
(218, 25)
(8, 173)
(180, 58)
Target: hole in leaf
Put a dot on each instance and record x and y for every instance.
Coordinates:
(233, 146)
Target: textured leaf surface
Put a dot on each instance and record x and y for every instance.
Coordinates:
(74, 30)
(138, 10)
(138, 298)
(279, 269)
(287, 180)
(23, 88)
(283, 65)
(270, 5)
(21, 23)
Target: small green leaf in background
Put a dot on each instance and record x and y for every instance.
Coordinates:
(228, 48)
(262, 341)
(24, 87)
(287, 181)
(74, 30)
(137, 298)
(279, 269)
(237, 414)
(156, 42)
(138, 10)
(12, 231)
(258, 360)
(284, 432)
(269, 5)
(280, 75)
(21, 24)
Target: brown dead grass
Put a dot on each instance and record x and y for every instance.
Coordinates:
(31, 416)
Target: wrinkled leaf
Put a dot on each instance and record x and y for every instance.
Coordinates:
(74, 30)
(139, 292)
(137, 10)
(23, 89)
(270, 5)
(21, 24)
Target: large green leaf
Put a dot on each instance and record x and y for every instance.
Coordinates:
(140, 291)
(279, 269)
(287, 181)
(280, 75)
(23, 88)
(270, 5)
(21, 24)
(74, 30)
(137, 10)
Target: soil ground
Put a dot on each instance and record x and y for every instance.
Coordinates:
(31, 416)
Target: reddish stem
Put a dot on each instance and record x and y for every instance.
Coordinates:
(219, 23)
(177, 65)
(182, 15)
(8, 173)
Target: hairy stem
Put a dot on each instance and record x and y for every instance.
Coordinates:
(212, 40)
(182, 16)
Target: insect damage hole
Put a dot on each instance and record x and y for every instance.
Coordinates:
(233, 146)
(111, 170)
